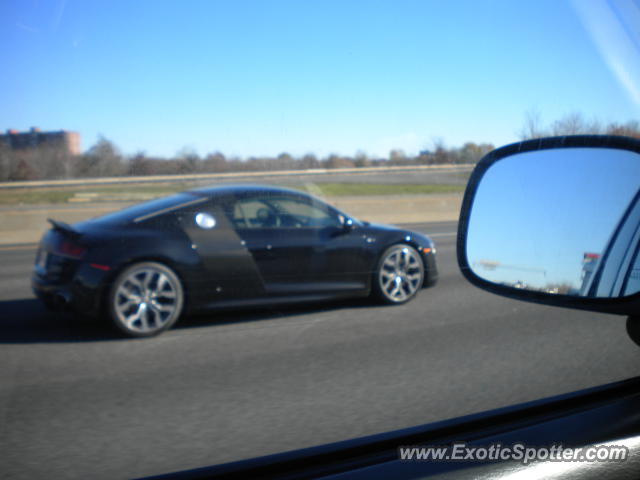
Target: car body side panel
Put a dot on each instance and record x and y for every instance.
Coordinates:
(307, 260)
(281, 255)
(228, 269)
(343, 259)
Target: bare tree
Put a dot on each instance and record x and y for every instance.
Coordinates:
(336, 161)
(440, 153)
(397, 156)
(187, 160)
(53, 161)
(629, 129)
(6, 162)
(361, 159)
(102, 160)
(215, 163)
(284, 161)
(310, 161)
(139, 164)
(532, 127)
(575, 124)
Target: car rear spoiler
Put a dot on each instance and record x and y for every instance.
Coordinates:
(64, 228)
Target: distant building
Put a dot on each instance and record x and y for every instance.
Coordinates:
(34, 138)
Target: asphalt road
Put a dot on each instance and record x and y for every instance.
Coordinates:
(78, 402)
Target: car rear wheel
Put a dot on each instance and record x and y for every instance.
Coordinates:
(399, 275)
(146, 299)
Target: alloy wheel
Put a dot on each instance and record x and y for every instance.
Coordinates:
(147, 299)
(400, 274)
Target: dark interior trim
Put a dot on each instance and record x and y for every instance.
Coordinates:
(349, 455)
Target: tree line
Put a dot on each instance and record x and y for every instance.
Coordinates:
(574, 124)
(104, 159)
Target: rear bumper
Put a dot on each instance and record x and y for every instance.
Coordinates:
(54, 297)
(84, 293)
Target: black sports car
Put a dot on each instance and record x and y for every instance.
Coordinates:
(224, 247)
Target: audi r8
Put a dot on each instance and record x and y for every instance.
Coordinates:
(224, 247)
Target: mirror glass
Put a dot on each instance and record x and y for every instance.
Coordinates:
(561, 221)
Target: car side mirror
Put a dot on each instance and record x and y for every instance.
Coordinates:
(556, 221)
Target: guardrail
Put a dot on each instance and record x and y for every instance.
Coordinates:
(213, 176)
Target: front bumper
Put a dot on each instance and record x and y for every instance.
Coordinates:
(430, 269)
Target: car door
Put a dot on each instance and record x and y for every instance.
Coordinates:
(298, 244)
(229, 270)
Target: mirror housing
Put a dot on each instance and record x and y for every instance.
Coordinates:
(544, 191)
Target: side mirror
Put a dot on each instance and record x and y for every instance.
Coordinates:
(556, 221)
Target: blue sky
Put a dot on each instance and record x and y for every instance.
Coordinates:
(264, 77)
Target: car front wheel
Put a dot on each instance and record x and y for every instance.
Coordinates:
(399, 275)
(145, 299)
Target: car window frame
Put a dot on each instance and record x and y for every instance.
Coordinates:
(232, 201)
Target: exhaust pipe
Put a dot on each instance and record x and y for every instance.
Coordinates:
(61, 300)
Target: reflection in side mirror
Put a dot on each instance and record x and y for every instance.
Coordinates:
(557, 221)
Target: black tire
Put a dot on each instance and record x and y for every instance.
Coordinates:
(145, 299)
(399, 275)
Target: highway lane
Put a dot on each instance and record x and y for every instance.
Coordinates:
(79, 402)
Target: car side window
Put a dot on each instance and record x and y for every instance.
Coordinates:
(254, 213)
(298, 213)
(281, 212)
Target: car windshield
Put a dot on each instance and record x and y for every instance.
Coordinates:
(265, 319)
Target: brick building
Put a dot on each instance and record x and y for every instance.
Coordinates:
(34, 138)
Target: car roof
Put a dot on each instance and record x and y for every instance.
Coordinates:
(248, 188)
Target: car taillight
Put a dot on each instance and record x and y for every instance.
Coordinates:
(68, 248)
